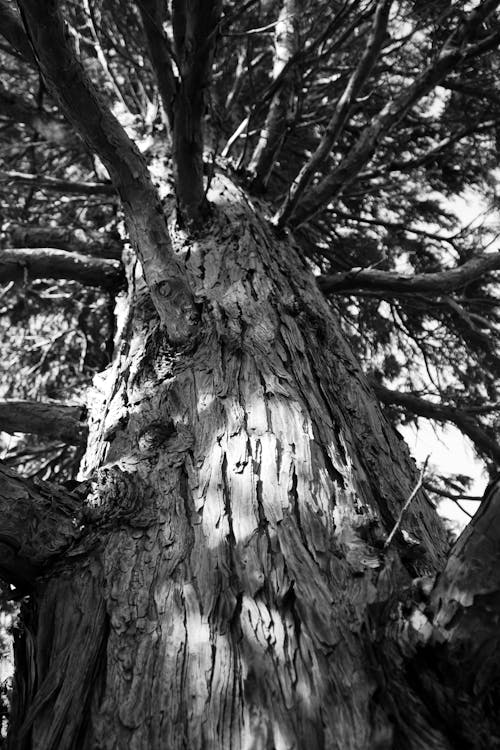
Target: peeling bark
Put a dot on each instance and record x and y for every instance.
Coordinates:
(244, 486)
(39, 522)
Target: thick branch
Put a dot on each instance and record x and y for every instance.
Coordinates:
(273, 132)
(195, 31)
(146, 223)
(440, 413)
(432, 283)
(51, 263)
(342, 111)
(11, 28)
(52, 183)
(51, 420)
(152, 16)
(454, 53)
(88, 242)
(39, 521)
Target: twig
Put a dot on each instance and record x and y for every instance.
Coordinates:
(407, 503)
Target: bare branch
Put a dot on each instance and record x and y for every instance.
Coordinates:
(39, 521)
(342, 111)
(441, 282)
(453, 54)
(104, 135)
(87, 242)
(407, 503)
(53, 420)
(19, 264)
(274, 130)
(52, 183)
(440, 413)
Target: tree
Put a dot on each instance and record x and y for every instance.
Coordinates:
(248, 558)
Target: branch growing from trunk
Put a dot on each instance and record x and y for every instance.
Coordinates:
(440, 413)
(454, 53)
(274, 130)
(51, 420)
(342, 111)
(146, 223)
(438, 283)
(50, 263)
(88, 242)
(39, 521)
(195, 27)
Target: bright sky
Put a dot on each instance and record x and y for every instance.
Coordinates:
(450, 453)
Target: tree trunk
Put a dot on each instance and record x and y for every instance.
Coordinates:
(231, 587)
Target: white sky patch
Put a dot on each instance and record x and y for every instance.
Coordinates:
(450, 453)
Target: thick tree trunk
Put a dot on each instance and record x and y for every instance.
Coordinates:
(231, 587)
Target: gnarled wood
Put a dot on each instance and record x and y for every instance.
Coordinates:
(39, 522)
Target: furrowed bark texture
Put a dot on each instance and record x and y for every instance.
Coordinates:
(244, 487)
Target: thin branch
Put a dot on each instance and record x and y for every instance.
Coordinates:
(454, 53)
(42, 182)
(407, 504)
(52, 420)
(440, 413)
(342, 111)
(438, 283)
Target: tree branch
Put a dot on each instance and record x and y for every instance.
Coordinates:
(342, 111)
(152, 16)
(441, 282)
(86, 242)
(11, 28)
(43, 182)
(146, 224)
(454, 53)
(274, 129)
(39, 521)
(440, 413)
(50, 263)
(195, 27)
(56, 421)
